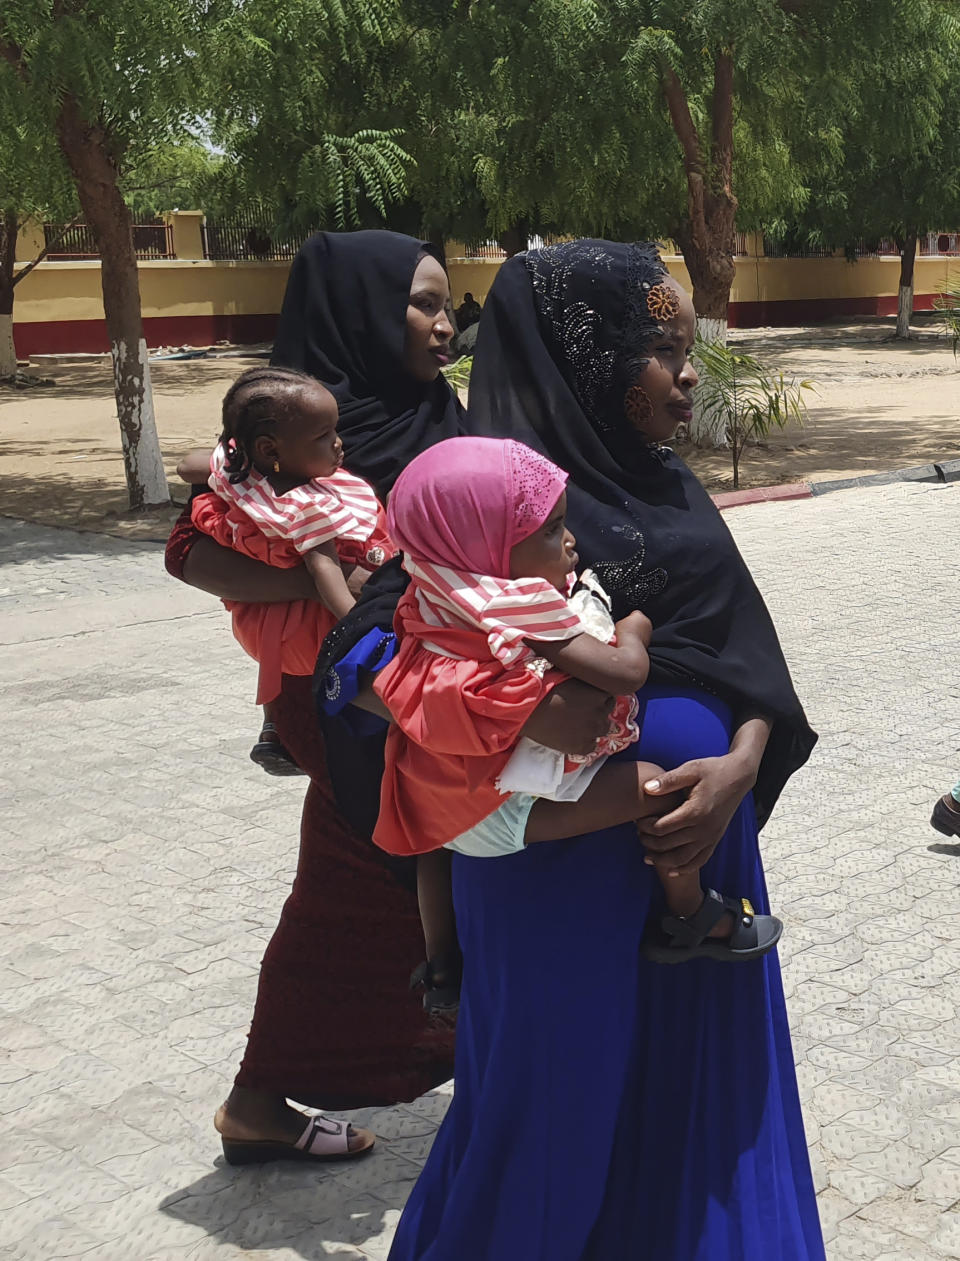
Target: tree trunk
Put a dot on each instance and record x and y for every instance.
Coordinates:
(9, 227)
(439, 243)
(514, 239)
(707, 236)
(85, 148)
(908, 258)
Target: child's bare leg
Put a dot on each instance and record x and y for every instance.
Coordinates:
(442, 972)
(268, 715)
(435, 896)
(615, 795)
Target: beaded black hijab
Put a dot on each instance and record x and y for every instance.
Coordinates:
(564, 332)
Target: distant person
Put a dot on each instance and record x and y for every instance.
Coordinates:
(946, 813)
(468, 312)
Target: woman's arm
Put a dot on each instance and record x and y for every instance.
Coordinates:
(194, 468)
(231, 576)
(684, 839)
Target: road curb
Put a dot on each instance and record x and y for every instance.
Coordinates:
(939, 473)
(761, 494)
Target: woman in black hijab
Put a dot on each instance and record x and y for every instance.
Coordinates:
(364, 312)
(333, 1024)
(607, 1106)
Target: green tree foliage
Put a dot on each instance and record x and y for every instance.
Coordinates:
(289, 90)
(900, 177)
(34, 184)
(178, 175)
(100, 76)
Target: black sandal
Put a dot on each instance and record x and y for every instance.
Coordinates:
(272, 756)
(683, 939)
(945, 819)
(439, 1000)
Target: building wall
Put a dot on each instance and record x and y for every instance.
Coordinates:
(59, 305)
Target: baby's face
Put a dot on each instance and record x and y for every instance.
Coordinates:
(307, 442)
(549, 553)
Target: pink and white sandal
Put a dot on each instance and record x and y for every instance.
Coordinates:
(322, 1139)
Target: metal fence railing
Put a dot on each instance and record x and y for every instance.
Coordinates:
(773, 248)
(75, 241)
(249, 237)
(484, 249)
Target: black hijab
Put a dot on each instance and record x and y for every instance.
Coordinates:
(562, 330)
(344, 321)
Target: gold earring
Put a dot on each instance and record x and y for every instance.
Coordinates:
(276, 466)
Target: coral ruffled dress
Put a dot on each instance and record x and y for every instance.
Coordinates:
(285, 638)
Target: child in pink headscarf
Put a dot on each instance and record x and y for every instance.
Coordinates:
(492, 620)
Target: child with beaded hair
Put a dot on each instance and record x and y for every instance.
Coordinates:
(283, 497)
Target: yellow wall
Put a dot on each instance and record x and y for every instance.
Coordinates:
(69, 291)
(57, 291)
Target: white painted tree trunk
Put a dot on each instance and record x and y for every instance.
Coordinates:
(707, 431)
(138, 425)
(904, 310)
(8, 355)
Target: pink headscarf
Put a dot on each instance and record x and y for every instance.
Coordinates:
(466, 503)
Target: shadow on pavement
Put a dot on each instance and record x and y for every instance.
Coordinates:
(313, 1210)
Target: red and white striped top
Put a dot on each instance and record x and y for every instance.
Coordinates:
(508, 611)
(337, 507)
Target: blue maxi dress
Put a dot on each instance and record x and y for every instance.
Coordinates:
(606, 1107)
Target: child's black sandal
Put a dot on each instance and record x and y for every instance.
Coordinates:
(272, 755)
(681, 940)
(443, 998)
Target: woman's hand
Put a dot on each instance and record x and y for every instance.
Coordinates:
(684, 839)
(571, 719)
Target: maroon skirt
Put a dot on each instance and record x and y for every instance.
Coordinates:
(334, 1024)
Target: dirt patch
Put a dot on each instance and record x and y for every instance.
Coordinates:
(879, 405)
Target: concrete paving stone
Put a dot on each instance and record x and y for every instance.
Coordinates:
(939, 1183)
(842, 1141)
(131, 880)
(57, 1237)
(946, 1240)
(858, 1187)
(897, 1163)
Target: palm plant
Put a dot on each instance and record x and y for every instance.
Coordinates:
(458, 374)
(738, 394)
(948, 304)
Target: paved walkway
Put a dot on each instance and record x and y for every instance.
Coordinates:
(143, 863)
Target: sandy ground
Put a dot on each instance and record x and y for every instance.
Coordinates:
(879, 405)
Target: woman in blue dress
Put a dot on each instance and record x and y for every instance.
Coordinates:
(606, 1105)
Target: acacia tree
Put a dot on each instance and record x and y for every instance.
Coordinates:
(34, 184)
(660, 117)
(631, 118)
(900, 177)
(96, 74)
(99, 74)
